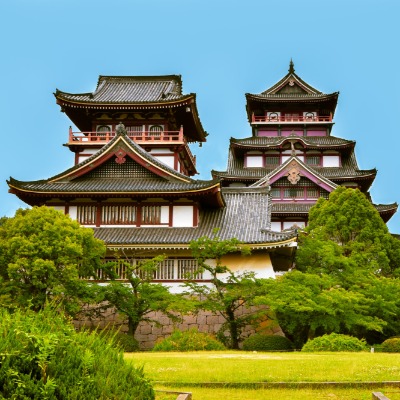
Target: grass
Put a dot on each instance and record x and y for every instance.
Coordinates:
(202, 367)
(187, 372)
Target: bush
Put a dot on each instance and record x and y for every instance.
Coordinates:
(335, 342)
(391, 345)
(43, 357)
(191, 340)
(260, 342)
(126, 342)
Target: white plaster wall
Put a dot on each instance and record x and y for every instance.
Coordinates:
(164, 214)
(276, 226)
(168, 160)
(331, 161)
(73, 212)
(182, 216)
(254, 161)
(260, 263)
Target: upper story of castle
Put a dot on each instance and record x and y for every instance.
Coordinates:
(153, 110)
(291, 107)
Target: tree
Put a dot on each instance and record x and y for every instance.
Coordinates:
(346, 281)
(228, 291)
(137, 298)
(308, 305)
(43, 254)
(345, 232)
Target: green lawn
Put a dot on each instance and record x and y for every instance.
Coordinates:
(189, 371)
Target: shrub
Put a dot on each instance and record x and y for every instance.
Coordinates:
(191, 340)
(43, 357)
(260, 342)
(335, 342)
(391, 345)
(126, 342)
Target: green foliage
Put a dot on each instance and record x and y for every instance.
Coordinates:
(42, 255)
(260, 342)
(346, 279)
(346, 232)
(138, 297)
(191, 340)
(308, 305)
(127, 343)
(229, 291)
(42, 357)
(335, 342)
(391, 345)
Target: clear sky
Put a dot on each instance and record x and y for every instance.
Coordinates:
(222, 48)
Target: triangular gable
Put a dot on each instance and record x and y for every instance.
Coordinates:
(119, 149)
(291, 83)
(294, 169)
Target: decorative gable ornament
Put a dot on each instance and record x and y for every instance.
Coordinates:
(120, 156)
(293, 173)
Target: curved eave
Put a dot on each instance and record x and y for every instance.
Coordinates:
(327, 98)
(186, 246)
(213, 193)
(386, 211)
(237, 145)
(97, 159)
(65, 101)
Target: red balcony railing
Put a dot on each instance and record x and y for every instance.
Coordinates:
(284, 118)
(142, 136)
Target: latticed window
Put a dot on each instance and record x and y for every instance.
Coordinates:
(294, 193)
(118, 215)
(165, 270)
(271, 160)
(87, 215)
(134, 130)
(188, 269)
(276, 193)
(313, 160)
(151, 215)
(156, 130)
(312, 193)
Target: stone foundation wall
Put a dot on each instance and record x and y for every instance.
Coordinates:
(148, 333)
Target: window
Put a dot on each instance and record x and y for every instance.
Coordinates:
(271, 160)
(156, 130)
(103, 131)
(313, 160)
(118, 215)
(86, 215)
(151, 215)
(134, 130)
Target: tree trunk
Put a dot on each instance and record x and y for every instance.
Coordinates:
(132, 326)
(233, 329)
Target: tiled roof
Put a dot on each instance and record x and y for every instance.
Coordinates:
(244, 218)
(134, 147)
(291, 86)
(112, 185)
(299, 208)
(348, 170)
(130, 89)
(109, 176)
(310, 141)
(292, 208)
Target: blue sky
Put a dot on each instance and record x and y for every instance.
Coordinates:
(223, 49)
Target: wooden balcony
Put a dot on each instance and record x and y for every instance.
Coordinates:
(80, 140)
(290, 119)
(139, 137)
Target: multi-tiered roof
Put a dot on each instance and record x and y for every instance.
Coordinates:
(291, 133)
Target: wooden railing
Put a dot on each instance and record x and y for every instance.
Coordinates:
(142, 136)
(300, 118)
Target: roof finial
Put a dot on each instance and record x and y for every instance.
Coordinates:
(291, 67)
(120, 131)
